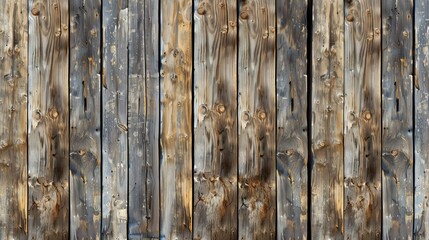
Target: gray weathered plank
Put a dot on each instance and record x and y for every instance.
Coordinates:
(327, 220)
(397, 119)
(13, 119)
(176, 119)
(48, 119)
(292, 148)
(114, 119)
(85, 141)
(215, 120)
(362, 130)
(143, 118)
(257, 120)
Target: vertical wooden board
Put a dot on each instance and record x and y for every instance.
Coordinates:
(176, 119)
(114, 119)
(421, 116)
(292, 148)
(143, 118)
(257, 120)
(327, 220)
(362, 116)
(48, 118)
(13, 119)
(215, 120)
(397, 120)
(85, 99)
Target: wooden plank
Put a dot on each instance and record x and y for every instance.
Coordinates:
(13, 119)
(362, 130)
(215, 120)
(327, 220)
(397, 121)
(114, 120)
(292, 148)
(176, 119)
(143, 118)
(421, 116)
(257, 120)
(85, 139)
(48, 118)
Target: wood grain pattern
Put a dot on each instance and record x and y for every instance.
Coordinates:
(292, 148)
(257, 120)
(143, 118)
(327, 185)
(215, 120)
(13, 119)
(362, 131)
(48, 119)
(176, 119)
(85, 139)
(397, 137)
(114, 120)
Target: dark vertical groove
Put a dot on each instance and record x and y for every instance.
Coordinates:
(128, 120)
(275, 117)
(192, 114)
(413, 53)
(101, 113)
(68, 124)
(238, 5)
(381, 107)
(159, 116)
(309, 107)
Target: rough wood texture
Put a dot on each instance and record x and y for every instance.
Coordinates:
(13, 119)
(421, 116)
(257, 120)
(48, 119)
(327, 221)
(397, 137)
(176, 119)
(114, 120)
(85, 141)
(362, 130)
(143, 118)
(292, 148)
(215, 120)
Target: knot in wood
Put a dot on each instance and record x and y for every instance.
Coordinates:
(262, 115)
(367, 115)
(244, 14)
(203, 109)
(221, 108)
(35, 11)
(202, 9)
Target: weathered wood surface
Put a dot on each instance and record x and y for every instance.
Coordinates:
(257, 120)
(421, 116)
(327, 185)
(215, 120)
(397, 137)
(176, 119)
(362, 130)
(85, 138)
(48, 120)
(143, 118)
(114, 119)
(292, 139)
(13, 119)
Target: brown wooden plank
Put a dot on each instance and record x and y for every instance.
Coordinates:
(85, 139)
(257, 120)
(397, 120)
(143, 118)
(292, 148)
(327, 220)
(13, 119)
(215, 120)
(114, 120)
(176, 119)
(48, 118)
(362, 131)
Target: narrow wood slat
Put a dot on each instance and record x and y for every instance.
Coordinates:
(176, 119)
(13, 119)
(114, 119)
(327, 219)
(85, 139)
(397, 119)
(48, 119)
(143, 118)
(292, 148)
(215, 120)
(362, 131)
(257, 120)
